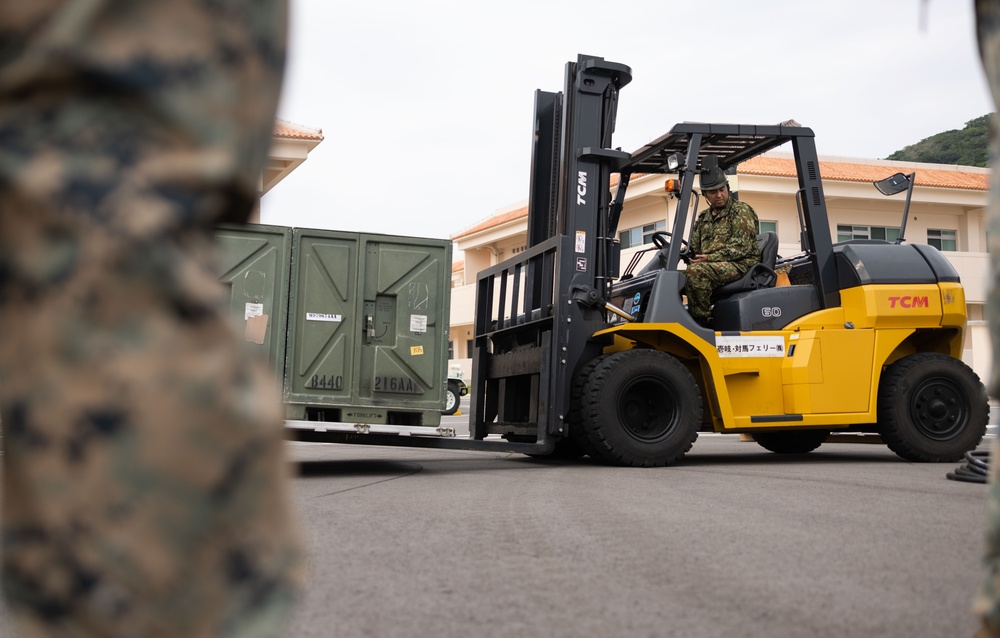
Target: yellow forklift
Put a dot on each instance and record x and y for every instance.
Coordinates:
(571, 357)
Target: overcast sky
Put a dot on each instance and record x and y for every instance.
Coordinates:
(426, 106)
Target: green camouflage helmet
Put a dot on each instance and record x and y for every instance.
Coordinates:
(712, 177)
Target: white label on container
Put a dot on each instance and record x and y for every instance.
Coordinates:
(581, 241)
(253, 310)
(323, 316)
(750, 346)
(418, 323)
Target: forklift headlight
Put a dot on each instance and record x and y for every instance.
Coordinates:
(673, 162)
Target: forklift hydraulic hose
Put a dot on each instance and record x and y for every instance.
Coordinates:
(975, 470)
(618, 311)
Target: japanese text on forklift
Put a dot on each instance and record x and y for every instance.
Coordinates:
(571, 357)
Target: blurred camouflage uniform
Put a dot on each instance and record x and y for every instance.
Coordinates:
(144, 481)
(987, 603)
(729, 237)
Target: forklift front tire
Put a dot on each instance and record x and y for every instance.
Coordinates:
(640, 408)
(574, 421)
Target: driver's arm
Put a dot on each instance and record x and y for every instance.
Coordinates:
(694, 243)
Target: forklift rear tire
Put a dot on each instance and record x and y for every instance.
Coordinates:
(796, 442)
(931, 408)
(640, 408)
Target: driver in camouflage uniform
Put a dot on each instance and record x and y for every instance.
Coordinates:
(723, 244)
(145, 487)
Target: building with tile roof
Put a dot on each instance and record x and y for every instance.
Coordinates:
(290, 146)
(947, 210)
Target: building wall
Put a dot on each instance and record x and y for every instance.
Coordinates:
(773, 198)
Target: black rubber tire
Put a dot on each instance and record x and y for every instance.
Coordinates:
(453, 399)
(640, 408)
(794, 442)
(931, 408)
(576, 444)
(577, 434)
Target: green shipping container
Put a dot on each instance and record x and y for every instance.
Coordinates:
(255, 262)
(367, 328)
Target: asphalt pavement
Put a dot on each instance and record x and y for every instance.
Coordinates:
(735, 541)
(847, 541)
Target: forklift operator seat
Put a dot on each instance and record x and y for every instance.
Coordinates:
(760, 275)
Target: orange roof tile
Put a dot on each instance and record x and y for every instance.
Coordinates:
(857, 172)
(785, 167)
(496, 220)
(291, 131)
(458, 265)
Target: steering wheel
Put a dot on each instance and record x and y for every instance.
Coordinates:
(661, 239)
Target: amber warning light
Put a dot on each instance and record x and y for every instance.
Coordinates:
(672, 186)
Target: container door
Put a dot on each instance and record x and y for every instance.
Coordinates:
(254, 264)
(323, 323)
(405, 305)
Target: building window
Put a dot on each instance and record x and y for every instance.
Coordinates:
(767, 226)
(942, 239)
(468, 348)
(885, 233)
(451, 349)
(632, 237)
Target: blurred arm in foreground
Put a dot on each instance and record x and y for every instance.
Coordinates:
(144, 479)
(987, 603)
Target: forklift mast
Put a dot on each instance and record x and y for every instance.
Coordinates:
(536, 313)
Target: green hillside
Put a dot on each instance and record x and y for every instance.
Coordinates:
(967, 147)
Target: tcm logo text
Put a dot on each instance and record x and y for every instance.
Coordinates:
(908, 302)
(581, 188)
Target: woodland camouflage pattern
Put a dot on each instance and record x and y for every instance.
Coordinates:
(987, 602)
(729, 238)
(144, 480)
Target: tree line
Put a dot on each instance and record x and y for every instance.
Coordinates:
(968, 146)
